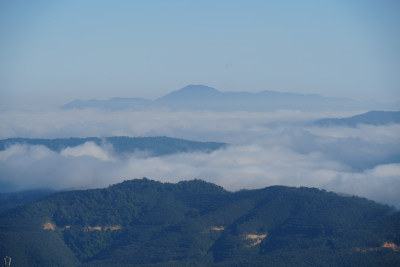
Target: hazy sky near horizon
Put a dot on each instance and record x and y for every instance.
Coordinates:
(52, 52)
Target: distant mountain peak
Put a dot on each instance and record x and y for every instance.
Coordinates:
(191, 96)
(197, 88)
(192, 90)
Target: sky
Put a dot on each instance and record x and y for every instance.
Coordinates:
(52, 52)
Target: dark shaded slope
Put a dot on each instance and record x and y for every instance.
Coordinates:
(15, 199)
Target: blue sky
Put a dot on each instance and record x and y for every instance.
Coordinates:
(54, 51)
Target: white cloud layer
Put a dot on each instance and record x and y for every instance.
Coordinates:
(87, 149)
(266, 149)
(226, 126)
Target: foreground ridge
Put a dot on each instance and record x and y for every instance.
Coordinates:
(145, 222)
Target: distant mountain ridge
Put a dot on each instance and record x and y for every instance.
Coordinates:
(155, 146)
(369, 118)
(194, 223)
(200, 97)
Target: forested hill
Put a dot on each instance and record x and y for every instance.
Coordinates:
(144, 222)
(155, 146)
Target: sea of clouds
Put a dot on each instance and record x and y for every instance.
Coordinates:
(268, 148)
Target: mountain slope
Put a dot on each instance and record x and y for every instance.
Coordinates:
(143, 222)
(369, 118)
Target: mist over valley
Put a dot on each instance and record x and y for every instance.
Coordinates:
(283, 147)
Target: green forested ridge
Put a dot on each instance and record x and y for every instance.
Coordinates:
(199, 223)
(156, 146)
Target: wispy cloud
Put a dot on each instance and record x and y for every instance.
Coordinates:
(89, 149)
